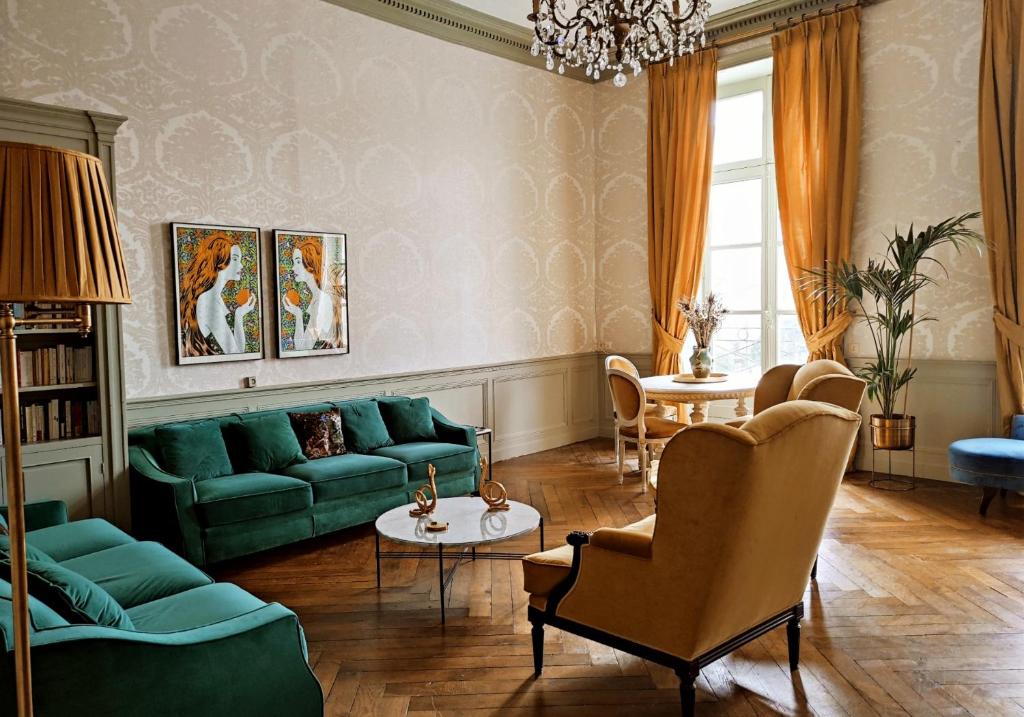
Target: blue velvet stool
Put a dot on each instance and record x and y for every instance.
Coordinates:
(995, 464)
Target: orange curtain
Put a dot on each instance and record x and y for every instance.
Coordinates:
(681, 106)
(816, 101)
(1000, 128)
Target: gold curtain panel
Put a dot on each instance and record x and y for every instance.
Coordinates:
(817, 118)
(58, 232)
(679, 145)
(1000, 134)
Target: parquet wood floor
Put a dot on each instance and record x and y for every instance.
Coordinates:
(918, 610)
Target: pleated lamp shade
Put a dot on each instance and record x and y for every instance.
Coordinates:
(58, 233)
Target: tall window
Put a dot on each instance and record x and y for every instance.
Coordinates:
(744, 263)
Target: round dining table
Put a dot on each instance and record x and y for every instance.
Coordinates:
(665, 389)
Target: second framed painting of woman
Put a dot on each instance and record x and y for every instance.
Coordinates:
(312, 293)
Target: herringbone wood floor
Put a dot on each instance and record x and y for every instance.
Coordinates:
(918, 609)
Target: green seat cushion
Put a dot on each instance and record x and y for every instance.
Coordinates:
(363, 426)
(71, 540)
(193, 450)
(350, 474)
(246, 496)
(31, 552)
(264, 443)
(408, 419)
(73, 596)
(41, 616)
(447, 458)
(138, 573)
(194, 608)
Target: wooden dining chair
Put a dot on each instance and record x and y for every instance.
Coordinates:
(632, 422)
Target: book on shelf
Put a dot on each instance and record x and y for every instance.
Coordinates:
(55, 365)
(59, 419)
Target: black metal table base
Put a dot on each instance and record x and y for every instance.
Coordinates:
(463, 554)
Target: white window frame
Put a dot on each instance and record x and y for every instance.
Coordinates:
(762, 168)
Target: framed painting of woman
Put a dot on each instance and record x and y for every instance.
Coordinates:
(312, 293)
(217, 287)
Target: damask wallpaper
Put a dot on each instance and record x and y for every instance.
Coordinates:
(463, 181)
(495, 212)
(918, 164)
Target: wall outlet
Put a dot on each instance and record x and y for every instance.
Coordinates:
(853, 348)
(249, 382)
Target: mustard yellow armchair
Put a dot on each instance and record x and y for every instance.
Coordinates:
(741, 512)
(821, 380)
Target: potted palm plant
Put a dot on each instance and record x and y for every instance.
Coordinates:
(884, 295)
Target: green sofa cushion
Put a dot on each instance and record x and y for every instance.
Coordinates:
(193, 450)
(194, 608)
(71, 595)
(31, 551)
(138, 572)
(41, 616)
(246, 496)
(263, 443)
(447, 458)
(408, 419)
(350, 474)
(364, 427)
(81, 537)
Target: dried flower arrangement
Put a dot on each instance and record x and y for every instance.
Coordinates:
(704, 319)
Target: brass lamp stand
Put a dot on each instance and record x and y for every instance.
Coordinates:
(58, 244)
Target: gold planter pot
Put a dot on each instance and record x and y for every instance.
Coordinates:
(892, 434)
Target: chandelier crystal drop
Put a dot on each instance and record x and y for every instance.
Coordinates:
(616, 35)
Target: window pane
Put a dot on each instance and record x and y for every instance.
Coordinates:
(736, 277)
(792, 348)
(734, 213)
(737, 345)
(738, 128)
(784, 288)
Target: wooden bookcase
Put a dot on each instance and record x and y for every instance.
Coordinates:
(88, 471)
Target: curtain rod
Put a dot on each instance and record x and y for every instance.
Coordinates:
(735, 39)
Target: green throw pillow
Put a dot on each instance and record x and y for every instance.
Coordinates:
(408, 419)
(264, 444)
(31, 552)
(364, 427)
(75, 598)
(193, 450)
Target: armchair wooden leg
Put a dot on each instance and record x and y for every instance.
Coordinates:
(618, 448)
(793, 637)
(644, 463)
(537, 636)
(621, 452)
(986, 498)
(688, 688)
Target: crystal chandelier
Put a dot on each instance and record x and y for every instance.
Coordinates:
(615, 35)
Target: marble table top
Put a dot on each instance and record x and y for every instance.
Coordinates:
(469, 523)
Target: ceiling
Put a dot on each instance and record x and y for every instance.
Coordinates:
(517, 10)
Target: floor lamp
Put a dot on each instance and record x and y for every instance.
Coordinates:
(58, 244)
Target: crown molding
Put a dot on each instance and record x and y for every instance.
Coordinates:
(761, 15)
(452, 22)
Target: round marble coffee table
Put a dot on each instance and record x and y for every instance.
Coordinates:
(470, 524)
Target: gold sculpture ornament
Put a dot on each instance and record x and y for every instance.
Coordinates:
(424, 506)
(493, 492)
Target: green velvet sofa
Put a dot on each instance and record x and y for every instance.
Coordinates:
(184, 645)
(245, 510)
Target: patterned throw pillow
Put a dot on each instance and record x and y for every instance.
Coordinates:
(319, 433)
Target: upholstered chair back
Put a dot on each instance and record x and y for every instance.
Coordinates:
(620, 363)
(741, 512)
(628, 398)
(822, 380)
